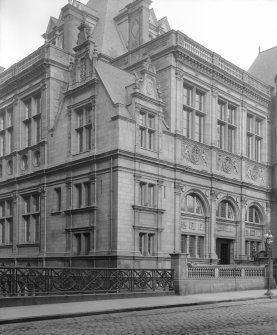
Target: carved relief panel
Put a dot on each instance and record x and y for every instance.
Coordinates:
(228, 164)
(195, 154)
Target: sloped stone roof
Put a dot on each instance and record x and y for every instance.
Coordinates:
(115, 81)
(264, 66)
(105, 34)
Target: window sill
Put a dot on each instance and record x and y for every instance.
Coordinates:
(80, 210)
(148, 209)
(5, 246)
(56, 213)
(28, 244)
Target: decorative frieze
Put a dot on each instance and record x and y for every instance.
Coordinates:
(194, 154)
(227, 164)
(225, 229)
(194, 227)
(254, 233)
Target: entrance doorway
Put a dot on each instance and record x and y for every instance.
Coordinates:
(223, 250)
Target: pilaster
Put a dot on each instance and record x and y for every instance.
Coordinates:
(212, 230)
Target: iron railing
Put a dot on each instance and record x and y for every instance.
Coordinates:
(15, 281)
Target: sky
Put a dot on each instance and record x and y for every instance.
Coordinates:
(234, 29)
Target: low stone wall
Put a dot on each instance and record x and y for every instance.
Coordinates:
(193, 279)
(197, 286)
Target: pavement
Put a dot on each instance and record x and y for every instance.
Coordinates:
(84, 308)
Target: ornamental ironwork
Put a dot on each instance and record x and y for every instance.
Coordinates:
(16, 281)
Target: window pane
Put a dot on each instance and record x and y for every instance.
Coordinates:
(187, 120)
(231, 139)
(28, 109)
(220, 135)
(249, 123)
(231, 115)
(184, 243)
(198, 206)
(187, 96)
(258, 127)
(151, 121)
(257, 149)
(80, 119)
(151, 195)
(151, 139)
(190, 204)
(2, 122)
(142, 137)
(199, 101)
(151, 244)
(142, 119)
(142, 243)
(220, 109)
(38, 104)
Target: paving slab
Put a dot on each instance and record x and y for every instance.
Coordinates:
(84, 308)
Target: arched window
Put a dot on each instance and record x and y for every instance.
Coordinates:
(193, 204)
(253, 215)
(225, 210)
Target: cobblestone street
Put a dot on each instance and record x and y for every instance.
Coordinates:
(250, 317)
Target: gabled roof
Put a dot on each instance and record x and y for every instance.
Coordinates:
(264, 66)
(115, 81)
(105, 34)
(53, 22)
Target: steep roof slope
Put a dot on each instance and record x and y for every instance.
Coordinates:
(115, 81)
(264, 66)
(105, 34)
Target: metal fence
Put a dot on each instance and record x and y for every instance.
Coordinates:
(15, 281)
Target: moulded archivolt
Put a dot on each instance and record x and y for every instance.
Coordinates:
(194, 154)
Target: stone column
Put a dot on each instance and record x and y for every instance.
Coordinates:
(15, 222)
(212, 230)
(43, 221)
(187, 245)
(179, 100)
(248, 249)
(213, 116)
(242, 129)
(196, 255)
(244, 203)
(177, 208)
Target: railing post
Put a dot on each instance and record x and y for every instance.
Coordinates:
(216, 272)
(180, 267)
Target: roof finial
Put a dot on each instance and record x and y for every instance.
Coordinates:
(259, 49)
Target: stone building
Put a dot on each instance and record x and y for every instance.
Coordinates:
(123, 141)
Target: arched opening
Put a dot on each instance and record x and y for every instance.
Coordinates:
(226, 232)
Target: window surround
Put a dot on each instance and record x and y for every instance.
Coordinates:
(254, 139)
(83, 128)
(253, 215)
(192, 204)
(147, 121)
(194, 112)
(6, 131)
(225, 211)
(30, 219)
(6, 222)
(226, 125)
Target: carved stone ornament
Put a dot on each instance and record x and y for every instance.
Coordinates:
(227, 164)
(255, 173)
(244, 201)
(194, 154)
